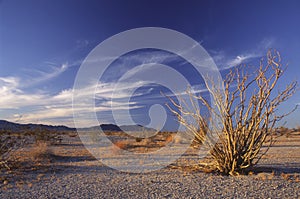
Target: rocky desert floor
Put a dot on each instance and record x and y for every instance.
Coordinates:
(66, 169)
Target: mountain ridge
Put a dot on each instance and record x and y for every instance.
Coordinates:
(17, 127)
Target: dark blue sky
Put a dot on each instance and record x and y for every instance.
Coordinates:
(42, 44)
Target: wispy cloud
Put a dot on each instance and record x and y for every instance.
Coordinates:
(225, 61)
(42, 76)
(238, 60)
(12, 89)
(9, 83)
(44, 107)
(31, 106)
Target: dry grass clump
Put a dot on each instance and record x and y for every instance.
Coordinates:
(265, 176)
(33, 155)
(246, 112)
(40, 152)
(284, 131)
(9, 142)
(140, 146)
(144, 145)
(291, 177)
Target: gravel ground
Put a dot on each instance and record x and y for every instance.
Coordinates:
(84, 179)
(168, 183)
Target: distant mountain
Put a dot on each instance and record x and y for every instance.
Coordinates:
(104, 127)
(5, 125)
(15, 127)
(110, 127)
(115, 128)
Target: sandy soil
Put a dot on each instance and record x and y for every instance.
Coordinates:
(70, 171)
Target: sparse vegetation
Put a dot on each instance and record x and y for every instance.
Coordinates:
(37, 140)
(44, 135)
(247, 111)
(9, 142)
(143, 145)
(40, 151)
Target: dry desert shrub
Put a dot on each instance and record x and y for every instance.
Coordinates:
(246, 112)
(121, 144)
(40, 151)
(36, 154)
(9, 142)
(265, 176)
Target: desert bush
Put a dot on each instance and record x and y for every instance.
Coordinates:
(9, 142)
(40, 151)
(282, 130)
(246, 112)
